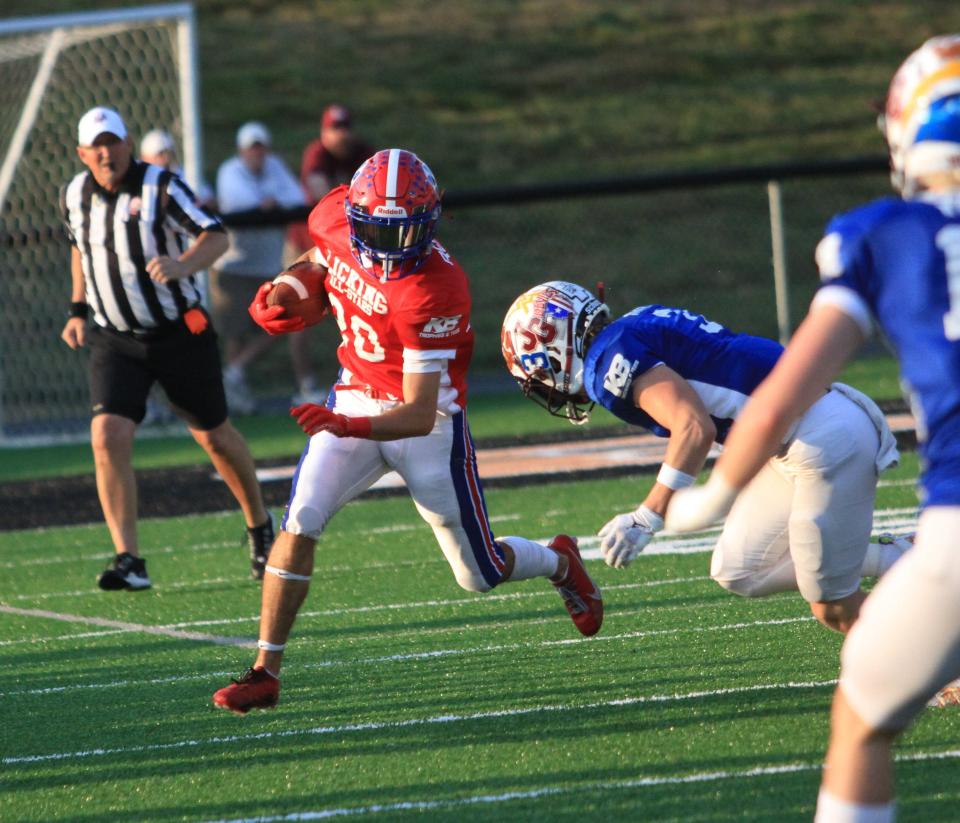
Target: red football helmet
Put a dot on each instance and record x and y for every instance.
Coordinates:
(393, 206)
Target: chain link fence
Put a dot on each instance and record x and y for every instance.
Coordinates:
(696, 241)
(700, 241)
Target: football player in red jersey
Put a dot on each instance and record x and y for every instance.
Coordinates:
(403, 307)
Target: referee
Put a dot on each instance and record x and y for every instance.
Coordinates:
(137, 240)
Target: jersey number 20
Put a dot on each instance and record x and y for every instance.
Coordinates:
(366, 342)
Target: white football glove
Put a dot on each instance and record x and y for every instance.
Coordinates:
(696, 508)
(624, 537)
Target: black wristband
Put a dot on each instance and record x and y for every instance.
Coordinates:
(78, 309)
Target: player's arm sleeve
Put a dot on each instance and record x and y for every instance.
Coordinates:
(843, 260)
(432, 333)
(620, 365)
(424, 361)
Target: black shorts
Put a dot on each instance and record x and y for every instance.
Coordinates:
(123, 368)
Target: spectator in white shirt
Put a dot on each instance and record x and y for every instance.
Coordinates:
(254, 179)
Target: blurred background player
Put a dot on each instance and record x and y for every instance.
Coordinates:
(895, 262)
(149, 327)
(805, 524)
(159, 148)
(255, 179)
(328, 161)
(403, 307)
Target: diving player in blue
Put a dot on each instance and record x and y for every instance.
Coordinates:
(895, 262)
(804, 523)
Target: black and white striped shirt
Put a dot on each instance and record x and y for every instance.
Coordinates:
(153, 213)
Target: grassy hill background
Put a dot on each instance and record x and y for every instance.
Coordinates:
(494, 92)
(528, 90)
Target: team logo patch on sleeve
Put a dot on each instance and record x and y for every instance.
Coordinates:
(619, 376)
(441, 327)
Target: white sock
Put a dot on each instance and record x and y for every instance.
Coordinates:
(880, 557)
(232, 372)
(531, 559)
(831, 809)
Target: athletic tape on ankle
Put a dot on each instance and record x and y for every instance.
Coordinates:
(674, 478)
(283, 574)
(271, 647)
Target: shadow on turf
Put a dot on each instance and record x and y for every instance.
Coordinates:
(759, 798)
(410, 741)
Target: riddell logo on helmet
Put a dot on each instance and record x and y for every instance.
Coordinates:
(389, 211)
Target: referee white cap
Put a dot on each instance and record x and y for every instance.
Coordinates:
(249, 134)
(97, 121)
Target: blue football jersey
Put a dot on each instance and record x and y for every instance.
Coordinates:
(898, 261)
(721, 366)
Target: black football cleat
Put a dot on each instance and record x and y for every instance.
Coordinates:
(124, 572)
(259, 540)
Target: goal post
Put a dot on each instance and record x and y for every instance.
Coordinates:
(140, 61)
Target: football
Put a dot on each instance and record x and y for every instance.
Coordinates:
(300, 291)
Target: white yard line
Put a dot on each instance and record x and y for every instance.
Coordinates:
(380, 725)
(545, 592)
(427, 655)
(399, 658)
(76, 636)
(576, 788)
(130, 627)
(116, 684)
(453, 601)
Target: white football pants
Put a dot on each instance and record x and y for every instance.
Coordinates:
(804, 521)
(906, 644)
(440, 471)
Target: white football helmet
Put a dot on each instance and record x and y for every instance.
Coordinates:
(544, 339)
(930, 74)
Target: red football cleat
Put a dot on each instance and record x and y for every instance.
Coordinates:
(256, 688)
(580, 594)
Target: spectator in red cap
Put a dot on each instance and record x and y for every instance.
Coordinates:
(328, 161)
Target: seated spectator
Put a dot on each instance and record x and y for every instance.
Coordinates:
(255, 178)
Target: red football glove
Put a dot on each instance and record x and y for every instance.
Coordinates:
(313, 418)
(273, 319)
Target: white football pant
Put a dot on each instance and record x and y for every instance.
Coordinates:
(906, 644)
(440, 471)
(804, 521)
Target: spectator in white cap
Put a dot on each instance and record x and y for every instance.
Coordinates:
(255, 179)
(158, 148)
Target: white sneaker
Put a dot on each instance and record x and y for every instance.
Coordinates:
(240, 399)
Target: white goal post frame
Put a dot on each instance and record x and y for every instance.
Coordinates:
(52, 410)
(58, 24)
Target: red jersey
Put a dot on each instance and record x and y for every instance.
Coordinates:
(412, 324)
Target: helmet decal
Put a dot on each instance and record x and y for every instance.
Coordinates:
(543, 341)
(928, 75)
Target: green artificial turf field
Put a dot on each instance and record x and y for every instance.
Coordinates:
(405, 696)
